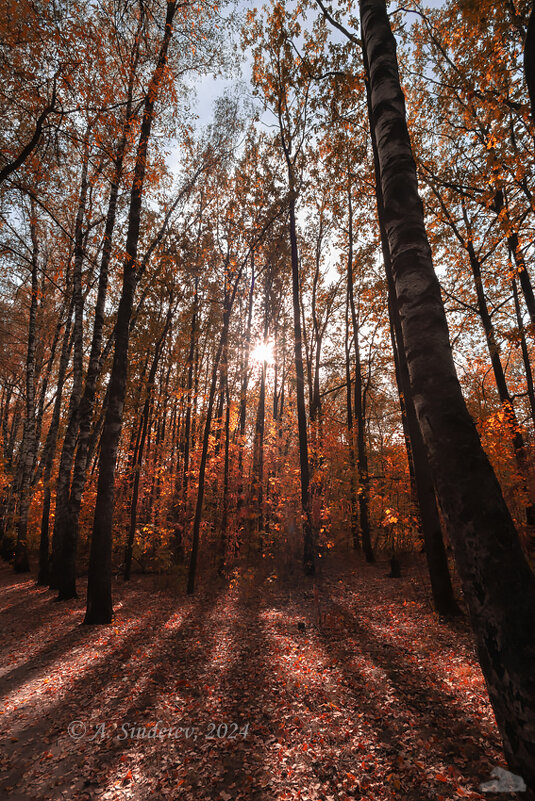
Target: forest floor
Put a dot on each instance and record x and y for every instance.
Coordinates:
(379, 700)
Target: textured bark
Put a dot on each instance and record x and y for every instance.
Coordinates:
(99, 600)
(21, 563)
(435, 552)
(69, 520)
(498, 585)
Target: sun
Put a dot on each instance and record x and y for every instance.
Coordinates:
(263, 352)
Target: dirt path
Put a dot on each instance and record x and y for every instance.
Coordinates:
(226, 696)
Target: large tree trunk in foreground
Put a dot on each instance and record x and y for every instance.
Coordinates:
(99, 601)
(498, 585)
(435, 551)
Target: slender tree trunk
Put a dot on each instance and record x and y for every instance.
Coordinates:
(517, 439)
(257, 478)
(70, 518)
(99, 600)
(359, 405)
(224, 513)
(138, 461)
(525, 353)
(180, 504)
(529, 61)
(192, 572)
(44, 390)
(523, 275)
(21, 563)
(49, 452)
(60, 573)
(243, 404)
(308, 533)
(498, 585)
(351, 435)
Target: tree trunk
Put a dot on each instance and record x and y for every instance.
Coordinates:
(435, 552)
(21, 563)
(49, 452)
(61, 576)
(138, 461)
(498, 584)
(506, 401)
(351, 435)
(257, 478)
(308, 533)
(192, 571)
(71, 517)
(523, 275)
(243, 405)
(99, 600)
(529, 61)
(360, 419)
(525, 353)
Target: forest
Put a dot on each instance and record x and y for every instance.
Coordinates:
(267, 400)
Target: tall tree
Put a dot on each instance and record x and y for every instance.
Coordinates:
(99, 600)
(498, 584)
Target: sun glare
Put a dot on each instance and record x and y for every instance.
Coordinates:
(263, 353)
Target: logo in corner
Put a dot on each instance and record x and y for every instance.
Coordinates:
(503, 782)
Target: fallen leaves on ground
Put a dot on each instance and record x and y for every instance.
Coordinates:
(224, 696)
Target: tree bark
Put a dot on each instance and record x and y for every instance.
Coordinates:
(525, 353)
(70, 518)
(351, 436)
(61, 576)
(308, 533)
(498, 585)
(99, 600)
(529, 61)
(21, 563)
(49, 452)
(435, 552)
(138, 461)
(192, 571)
(359, 406)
